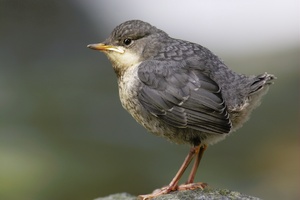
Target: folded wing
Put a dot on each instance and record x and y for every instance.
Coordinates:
(182, 97)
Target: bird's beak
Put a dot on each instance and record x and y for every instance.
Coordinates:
(104, 47)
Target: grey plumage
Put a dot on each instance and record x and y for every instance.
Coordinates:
(184, 87)
(178, 89)
(182, 97)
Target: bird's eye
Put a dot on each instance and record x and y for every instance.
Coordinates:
(127, 41)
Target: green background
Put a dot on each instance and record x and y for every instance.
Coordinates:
(64, 134)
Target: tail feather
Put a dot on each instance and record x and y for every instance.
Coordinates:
(261, 81)
(259, 87)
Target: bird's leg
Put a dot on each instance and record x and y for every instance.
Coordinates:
(174, 183)
(190, 185)
(196, 164)
(193, 151)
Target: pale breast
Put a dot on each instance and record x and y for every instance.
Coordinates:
(128, 88)
(129, 84)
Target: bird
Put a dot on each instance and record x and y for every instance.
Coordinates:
(179, 90)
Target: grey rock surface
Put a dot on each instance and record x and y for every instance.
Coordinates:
(206, 194)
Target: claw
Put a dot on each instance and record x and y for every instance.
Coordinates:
(168, 189)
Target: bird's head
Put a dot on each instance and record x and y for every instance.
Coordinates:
(130, 43)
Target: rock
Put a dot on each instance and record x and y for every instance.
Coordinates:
(206, 194)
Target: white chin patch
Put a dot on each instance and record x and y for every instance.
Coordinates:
(123, 60)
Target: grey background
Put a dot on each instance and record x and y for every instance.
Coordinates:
(64, 134)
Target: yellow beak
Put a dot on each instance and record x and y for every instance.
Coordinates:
(104, 47)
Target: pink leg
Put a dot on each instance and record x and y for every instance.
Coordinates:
(174, 183)
(196, 164)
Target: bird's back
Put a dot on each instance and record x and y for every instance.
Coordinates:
(240, 93)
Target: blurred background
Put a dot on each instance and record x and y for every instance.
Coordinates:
(64, 134)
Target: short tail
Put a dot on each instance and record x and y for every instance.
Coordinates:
(261, 81)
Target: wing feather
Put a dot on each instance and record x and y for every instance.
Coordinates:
(183, 97)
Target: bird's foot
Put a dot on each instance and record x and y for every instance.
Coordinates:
(168, 189)
(157, 192)
(192, 186)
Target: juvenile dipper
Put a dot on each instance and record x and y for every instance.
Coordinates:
(179, 90)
